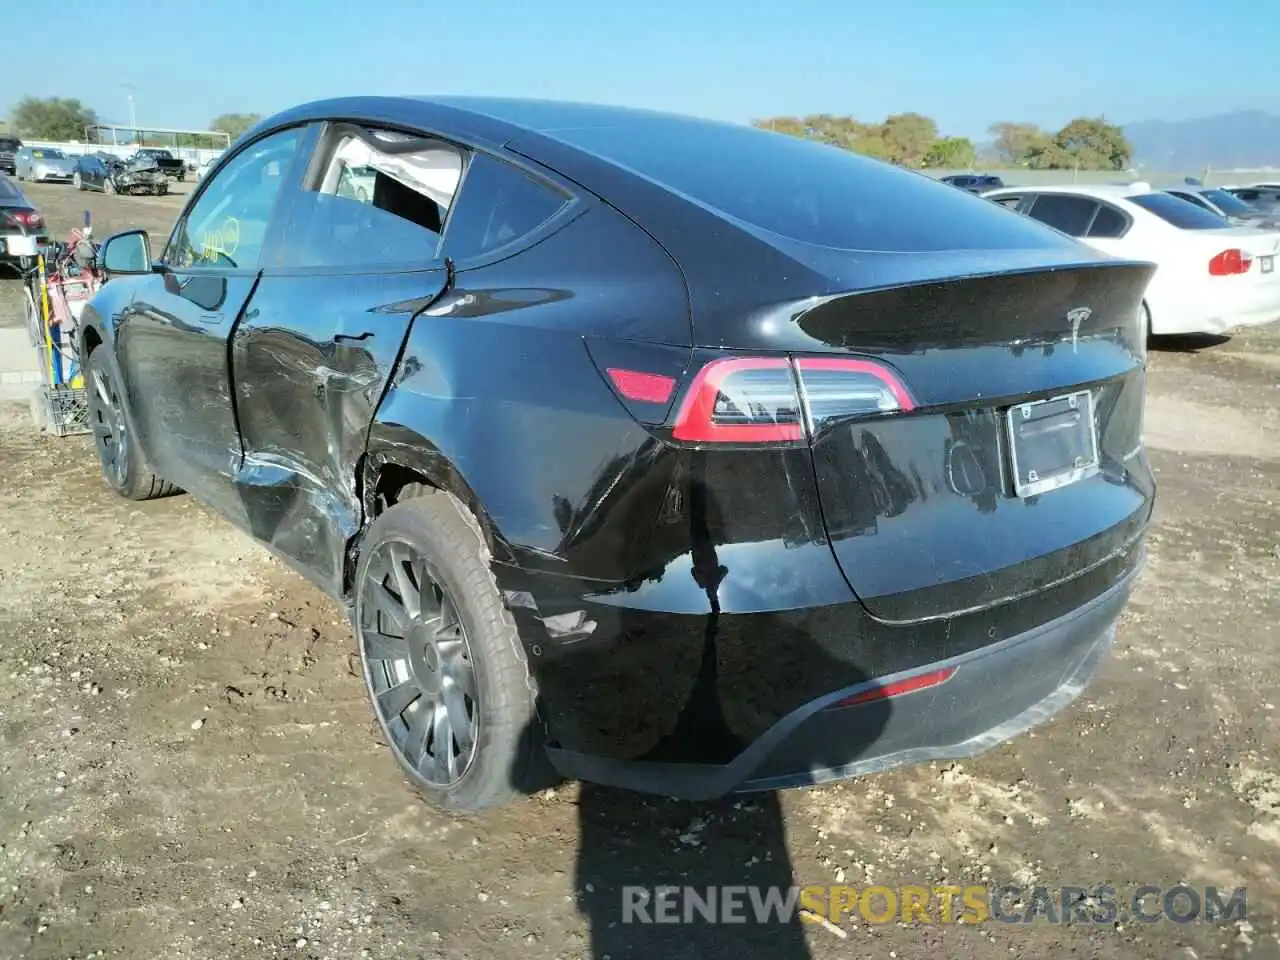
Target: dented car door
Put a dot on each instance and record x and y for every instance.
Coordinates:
(313, 356)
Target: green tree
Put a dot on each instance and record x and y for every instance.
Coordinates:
(234, 124)
(1016, 142)
(909, 137)
(951, 153)
(54, 118)
(1093, 144)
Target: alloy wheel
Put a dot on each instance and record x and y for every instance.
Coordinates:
(418, 664)
(107, 420)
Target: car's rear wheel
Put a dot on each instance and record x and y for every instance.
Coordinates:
(118, 454)
(443, 662)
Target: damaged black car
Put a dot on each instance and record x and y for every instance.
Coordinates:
(689, 457)
(110, 174)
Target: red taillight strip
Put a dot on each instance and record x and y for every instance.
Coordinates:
(695, 420)
(881, 373)
(899, 688)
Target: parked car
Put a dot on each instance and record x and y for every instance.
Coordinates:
(203, 168)
(9, 147)
(167, 163)
(1264, 198)
(22, 228)
(622, 457)
(1227, 205)
(44, 165)
(110, 174)
(1212, 277)
(974, 182)
(357, 183)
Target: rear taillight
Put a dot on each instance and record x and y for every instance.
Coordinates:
(1229, 263)
(28, 218)
(778, 400)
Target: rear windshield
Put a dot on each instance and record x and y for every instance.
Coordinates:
(1226, 202)
(7, 189)
(808, 191)
(1181, 213)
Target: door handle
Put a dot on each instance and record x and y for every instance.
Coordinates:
(351, 337)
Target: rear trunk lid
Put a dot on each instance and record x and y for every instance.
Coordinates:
(1020, 464)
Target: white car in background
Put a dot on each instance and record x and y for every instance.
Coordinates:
(43, 164)
(1211, 277)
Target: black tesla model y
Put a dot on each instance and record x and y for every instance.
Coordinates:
(689, 457)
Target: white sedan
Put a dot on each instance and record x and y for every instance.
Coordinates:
(1210, 277)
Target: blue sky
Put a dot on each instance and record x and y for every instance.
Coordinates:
(965, 64)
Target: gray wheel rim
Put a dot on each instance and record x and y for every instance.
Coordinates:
(418, 664)
(108, 424)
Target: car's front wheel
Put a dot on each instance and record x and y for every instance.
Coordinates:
(118, 454)
(443, 662)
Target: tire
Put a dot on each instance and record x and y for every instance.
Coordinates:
(439, 551)
(76, 181)
(118, 455)
(362, 194)
(109, 186)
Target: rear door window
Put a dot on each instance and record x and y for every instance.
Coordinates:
(499, 205)
(1070, 214)
(1192, 198)
(1110, 223)
(381, 200)
(1180, 213)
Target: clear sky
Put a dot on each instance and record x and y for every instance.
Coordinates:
(967, 64)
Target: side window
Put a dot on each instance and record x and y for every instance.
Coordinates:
(1247, 195)
(1069, 214)
(1010, 202)
(1109, 223)
(1193, 198)
(375, 207)
(498, 205)
(228, 224)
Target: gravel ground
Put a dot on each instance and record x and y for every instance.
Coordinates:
(189, 767)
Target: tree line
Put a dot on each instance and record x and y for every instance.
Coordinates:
(907, 139)
(65, 118)
(912, 140)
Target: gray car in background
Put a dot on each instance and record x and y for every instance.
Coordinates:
(43, 164)
(1227, 204)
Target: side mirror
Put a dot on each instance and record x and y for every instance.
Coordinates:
(126, 253)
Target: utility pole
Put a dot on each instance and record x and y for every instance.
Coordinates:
(133, 117)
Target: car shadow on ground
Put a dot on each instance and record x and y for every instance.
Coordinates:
(1188, 342)
(631, 845)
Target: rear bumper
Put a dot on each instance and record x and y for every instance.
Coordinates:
(1219, 311)
(993, 694)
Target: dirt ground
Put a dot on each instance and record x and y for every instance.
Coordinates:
(188, 766)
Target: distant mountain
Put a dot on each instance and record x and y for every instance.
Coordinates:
(1247, 139)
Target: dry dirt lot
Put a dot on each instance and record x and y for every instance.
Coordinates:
(188, 767)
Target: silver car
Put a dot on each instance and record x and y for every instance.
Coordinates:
(43, 164)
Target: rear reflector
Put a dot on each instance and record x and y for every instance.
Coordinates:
(776, 400)
(645, 387)
(899, 688)
(1230, 262)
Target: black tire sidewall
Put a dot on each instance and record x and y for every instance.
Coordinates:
(134, 474)
(435, 524)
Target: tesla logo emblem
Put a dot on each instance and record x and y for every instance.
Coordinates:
(1076, 317)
